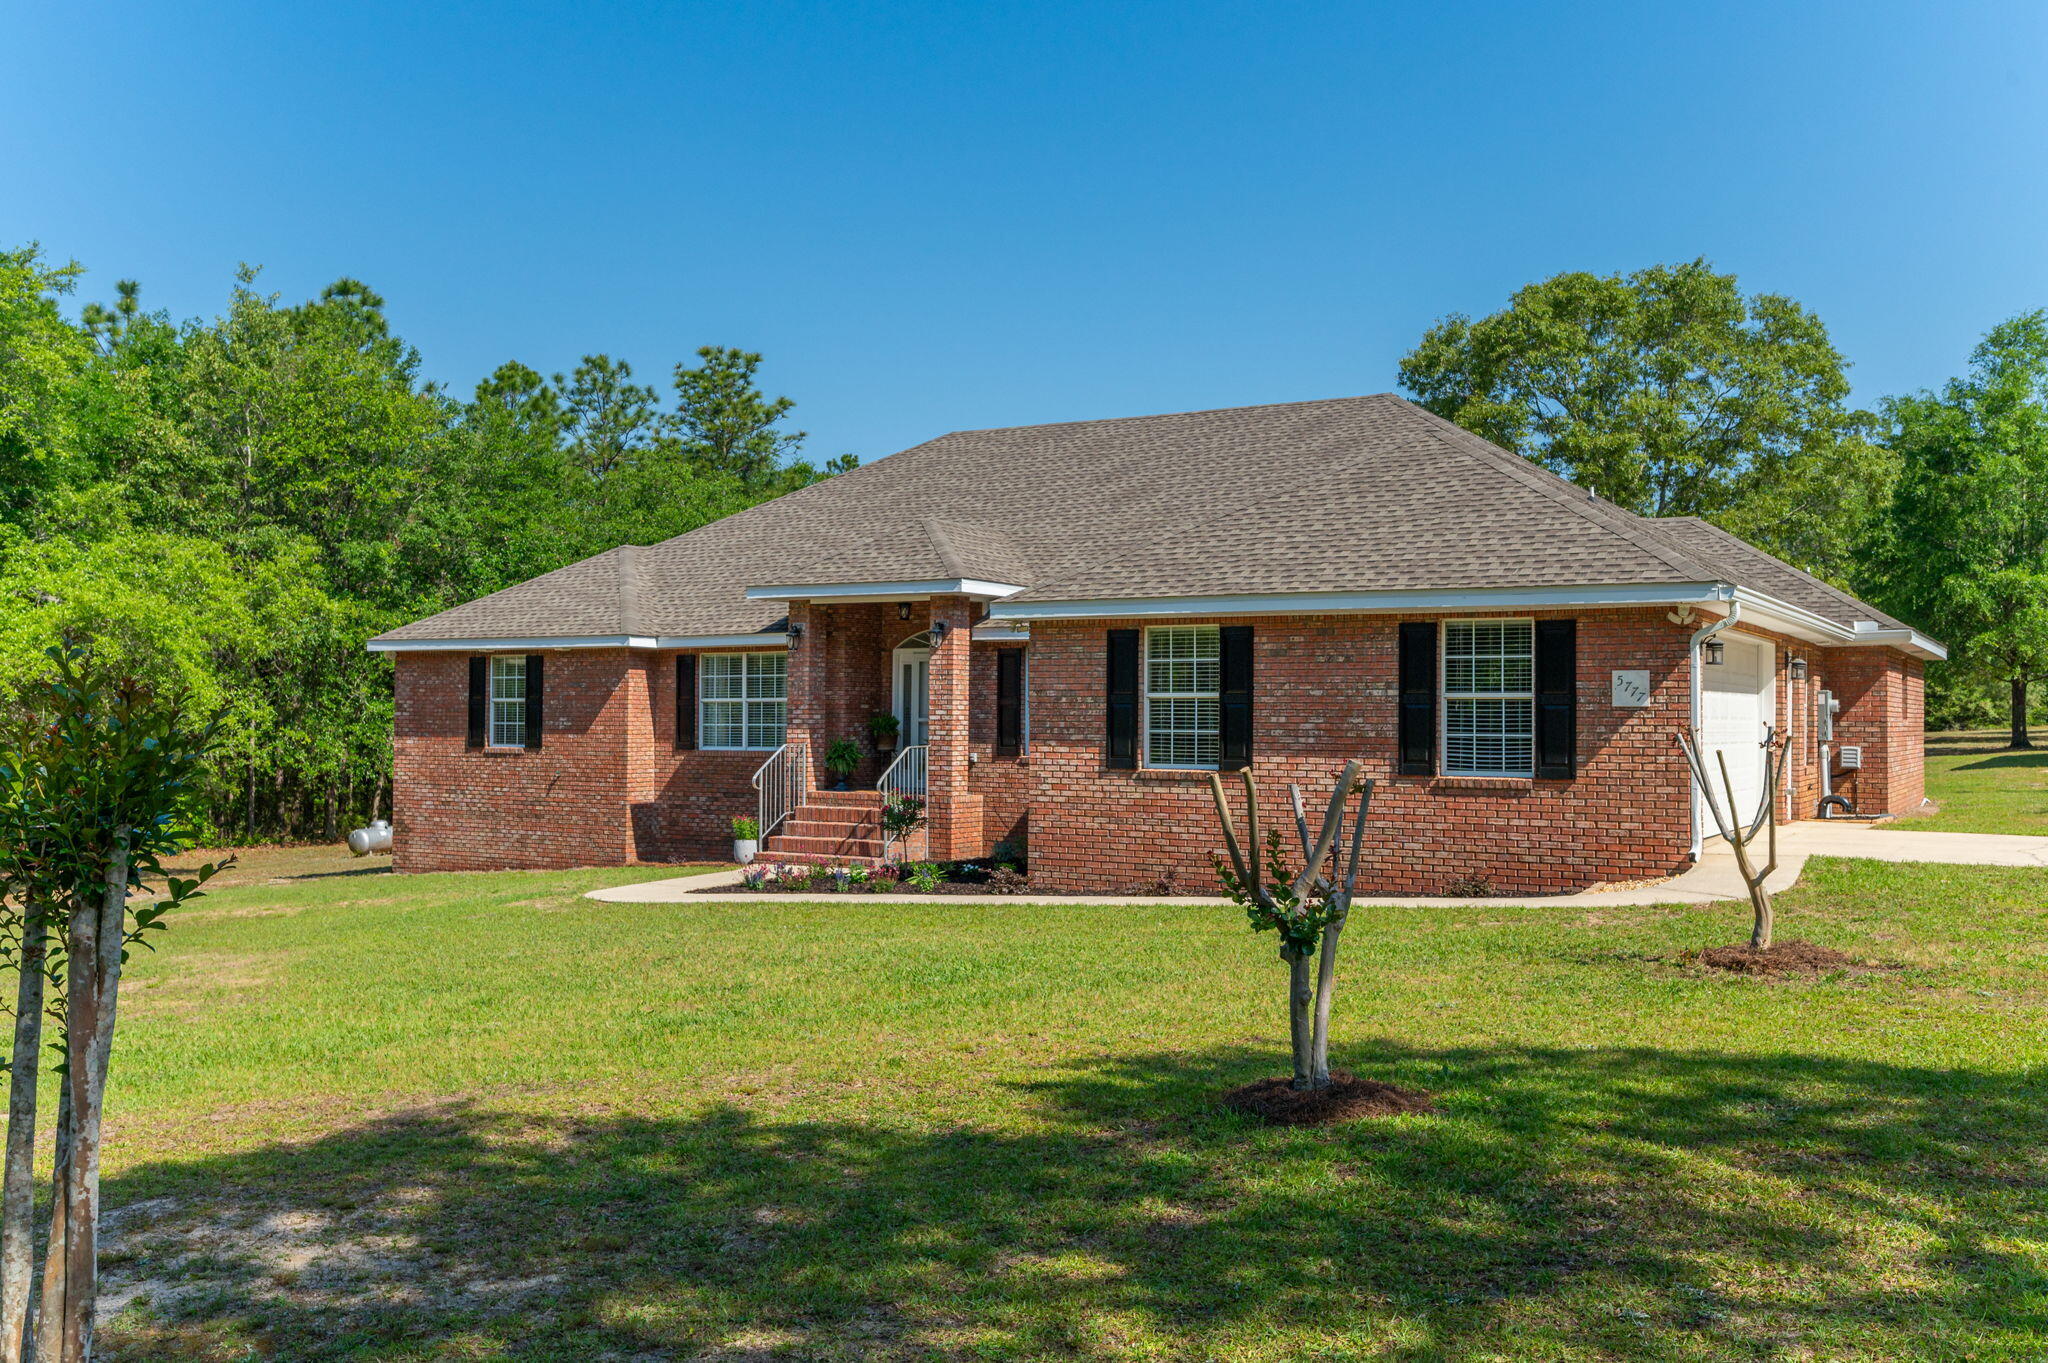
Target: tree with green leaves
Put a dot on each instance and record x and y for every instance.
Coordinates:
(1963, 550)
(98, 772)
(234, 505)
(1667, 392)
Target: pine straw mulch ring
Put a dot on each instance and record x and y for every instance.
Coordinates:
(1790, 957)
(1347, 1099)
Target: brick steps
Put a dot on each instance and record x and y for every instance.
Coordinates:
(830, 828)
(817, 859)
(826, 847)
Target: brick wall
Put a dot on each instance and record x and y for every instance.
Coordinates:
(1883, 695)
(1325, 690)
(605, 788)
(1004, 783)
(456, 808)
(608, 787)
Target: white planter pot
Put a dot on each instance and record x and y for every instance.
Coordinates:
(744, 849)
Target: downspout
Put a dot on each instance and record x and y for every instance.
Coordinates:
(1699, 637)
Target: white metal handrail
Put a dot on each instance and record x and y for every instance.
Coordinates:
(903, 779)
(904, 776)
(783, 781)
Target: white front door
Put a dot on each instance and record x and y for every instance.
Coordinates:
(912, 689)
(1736, 710)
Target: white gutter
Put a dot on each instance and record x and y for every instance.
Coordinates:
(1294, 603)
(1701, 636)
(883, 591)
(498, 644)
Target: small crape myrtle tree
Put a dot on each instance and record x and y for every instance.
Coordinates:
(1307, 909)
(1740, 827)
(96, 768)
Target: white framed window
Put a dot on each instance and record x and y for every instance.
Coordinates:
(1489, 720)
(508, 700)
(742, 700)
(1183, 671)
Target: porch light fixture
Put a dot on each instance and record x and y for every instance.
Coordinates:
(938, 630)
(796, 636)
(902, 610)
(1799, 669)
(1713, 648)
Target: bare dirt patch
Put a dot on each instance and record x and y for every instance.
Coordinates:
(1793, 957)
(1348, 1099)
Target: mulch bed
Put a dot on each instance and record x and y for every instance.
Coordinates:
(1793, 957)
(1348, 1099)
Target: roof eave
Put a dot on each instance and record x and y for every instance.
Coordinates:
(510, 644)
(1317, 603)
(1761, 608)
(885, 591)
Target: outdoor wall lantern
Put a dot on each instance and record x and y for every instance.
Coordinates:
(1799, 669)
(902, 610)
(796, 635)
(938, 630)
(1714, 648)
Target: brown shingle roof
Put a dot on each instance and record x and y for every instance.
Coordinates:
(1349, 494)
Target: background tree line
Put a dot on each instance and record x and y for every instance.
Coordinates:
(1670, 393)
(235, 505)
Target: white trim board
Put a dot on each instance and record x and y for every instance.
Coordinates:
(1313, 603)
(494, 644)
(883, 591)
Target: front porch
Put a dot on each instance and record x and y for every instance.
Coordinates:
(911, 656)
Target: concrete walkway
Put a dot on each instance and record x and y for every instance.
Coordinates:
(1713, 878)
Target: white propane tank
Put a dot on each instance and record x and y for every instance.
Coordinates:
(375, 838)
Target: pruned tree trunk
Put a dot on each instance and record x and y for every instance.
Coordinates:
(1301, 997)
(1326, 968)
(1309, 995)
(51, 1311)
(17, 1220)
(1739, 831)
(91, 992)
(2019, 715)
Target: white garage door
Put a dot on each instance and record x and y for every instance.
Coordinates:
(1735, 711)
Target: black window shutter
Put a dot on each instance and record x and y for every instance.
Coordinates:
(1557, 698)
(1123, 699)
(479, 697)
(686, 702)
(535, 708)
(1234, 712)
(1009, 702)
(1418, 698)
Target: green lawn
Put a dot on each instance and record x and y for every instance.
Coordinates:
(1984, 787)
(479, 1117)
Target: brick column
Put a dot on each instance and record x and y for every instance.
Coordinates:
(956, 813)
(807, 685)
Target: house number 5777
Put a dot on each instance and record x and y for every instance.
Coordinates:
(1632, 688)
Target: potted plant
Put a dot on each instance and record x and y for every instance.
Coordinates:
(746, 838)
(842, 759)
(882, 731)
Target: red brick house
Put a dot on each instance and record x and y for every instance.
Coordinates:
(1075, 623)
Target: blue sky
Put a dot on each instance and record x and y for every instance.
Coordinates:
(941, 216)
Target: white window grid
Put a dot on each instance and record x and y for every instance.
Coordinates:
(1183, 672)
(1489, 697)
(508, 700)
(742, 700)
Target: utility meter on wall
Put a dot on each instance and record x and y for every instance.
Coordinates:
(1826, 707)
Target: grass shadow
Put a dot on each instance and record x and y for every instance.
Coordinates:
(1622, 1202)
(2010, 759)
